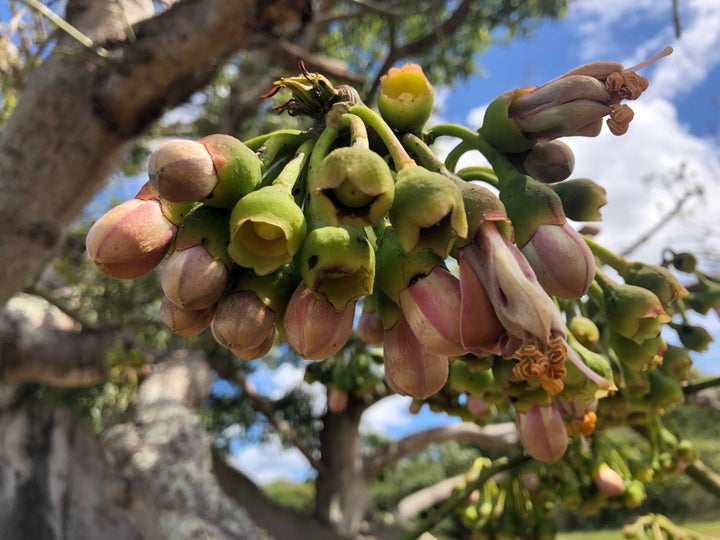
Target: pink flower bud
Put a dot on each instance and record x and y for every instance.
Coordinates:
(244, 324)
(337, 401)
(185, 322)
(562, 261)
(130, 240)
(542, 433)
(431, 306)
(193, 278)
(182, 171)
(410, 368)
(608, 481)
(313, 328)
(370, 327)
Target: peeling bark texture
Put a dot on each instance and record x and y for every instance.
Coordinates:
(40, 343)
(165, 457)
(53, 481)
(79, 113)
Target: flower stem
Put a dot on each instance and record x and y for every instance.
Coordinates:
(613, 260)
(358, 131)
(399, 155)
(595, 293)
(256, 142)
(291, 171)
(423, 153)
(478, 173)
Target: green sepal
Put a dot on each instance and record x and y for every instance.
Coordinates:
(338, 263)
(208, 227)
(500, 130)
(238, 168)
(274, 290)
(581, 198)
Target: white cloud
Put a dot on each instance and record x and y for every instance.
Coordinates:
(267, 462)
(386, 415)
(275, 383)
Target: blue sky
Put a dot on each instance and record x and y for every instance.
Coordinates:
(673, 125)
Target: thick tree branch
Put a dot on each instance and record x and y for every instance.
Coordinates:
(492, 436)
(79, 114)
(425, 498)
(165, 456)
(705, 477)
(40, 343)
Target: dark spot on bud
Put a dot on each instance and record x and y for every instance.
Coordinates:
(312, 261)
(416, 278)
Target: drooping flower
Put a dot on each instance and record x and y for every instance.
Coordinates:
(244, 324)
(542, 432)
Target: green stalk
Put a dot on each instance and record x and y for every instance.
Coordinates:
(620, 264)
(291, 171)
(500, 465)
(595, 293)
(358, 131)
(256, 142)
(424, 154)
(480, 174)
(456, 153)
(399, 155)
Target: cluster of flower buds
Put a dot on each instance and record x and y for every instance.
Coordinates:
(356, 232)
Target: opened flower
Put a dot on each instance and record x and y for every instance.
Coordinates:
(405, 100)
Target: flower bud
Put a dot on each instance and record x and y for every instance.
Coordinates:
(131, 239)
(549, 162)
(479, 408)
(185, 322)
(196, 274)
(370, 326)
(193, 279)
(431, 306)
(542, 433)
(633, 312)
(608, 481)
(664, 392)
(562, 261)
(427, 212)
(267, 229)
(410, 368)
(584, 330)
(638, 357)
(464, 379)
(182, 171)
(634, 494)
(353, 186)
(238, 170)
(405, 100)
(677, 363)
(704, 295)
(581, 199)
(338, 264)
(693, 337)
(657, 279)
(244, 324)
(313, 328)
(684, 262)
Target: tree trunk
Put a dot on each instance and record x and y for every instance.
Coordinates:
(53, 481)
(342, 495)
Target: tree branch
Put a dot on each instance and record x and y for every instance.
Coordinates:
(492, 436)
(425, 498)
(41, 344)
(705, 477)
(283, 427)
(413, 48)
(78, 114)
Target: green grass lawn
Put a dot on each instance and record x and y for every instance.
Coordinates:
(710, 530)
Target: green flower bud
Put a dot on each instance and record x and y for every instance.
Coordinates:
(581, 199)
(677, 363)
(405, 100)
(427, 212)
(267, 229)
(633, 312)
(704, 295)
(684, 262)
(693, 337)
(634, 494)
(638, 357)
(338, 264)
(238, 169)
(353, 186)
(549, 162)
(463, 379)
(687, 452)
(584, 330)
(657, 279)
(664, 392)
